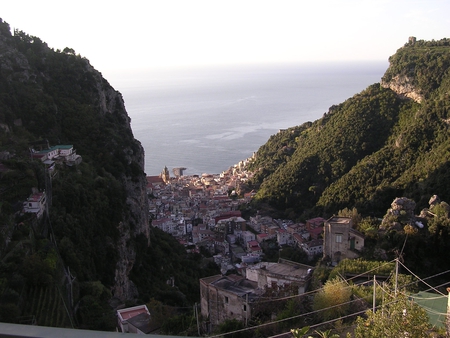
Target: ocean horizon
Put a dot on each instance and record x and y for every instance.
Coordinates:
(206, 120)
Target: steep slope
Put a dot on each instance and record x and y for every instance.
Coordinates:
(389, 140)
(98, 207)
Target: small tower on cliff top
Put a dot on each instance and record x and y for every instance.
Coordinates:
(412, 40)
(165, 175)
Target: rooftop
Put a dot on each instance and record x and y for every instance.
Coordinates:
(131, 312)
(290, 269)
(36, 197)
(235, 284)
(340, 220)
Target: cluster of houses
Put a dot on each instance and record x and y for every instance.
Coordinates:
(241, 297)
(238, 296)
(62, 153)
(203, 213)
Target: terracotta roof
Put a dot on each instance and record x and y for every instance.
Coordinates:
(316, 221)
(154, 179)
(132, 312)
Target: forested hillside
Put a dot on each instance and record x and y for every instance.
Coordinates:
(390, 140)
(74, 265)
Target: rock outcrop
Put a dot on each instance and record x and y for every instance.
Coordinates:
(403, 86)
(401, 213)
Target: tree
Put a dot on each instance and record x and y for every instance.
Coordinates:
(333, 300)
(400, 318)
(353, 214)
(299, 333)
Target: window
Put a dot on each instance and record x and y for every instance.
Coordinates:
(226, 299)
(245, 307)
(338, 238)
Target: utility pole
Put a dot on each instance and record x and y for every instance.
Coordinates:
(246, 310)
(374, 296)
(196, 316)
(396, 276)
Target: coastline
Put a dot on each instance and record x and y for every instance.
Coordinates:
(205, 121)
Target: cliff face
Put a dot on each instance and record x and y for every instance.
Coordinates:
(417, 69)
(404, 87)
(99, 207)
(135, 221)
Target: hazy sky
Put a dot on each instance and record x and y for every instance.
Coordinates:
(132, 34)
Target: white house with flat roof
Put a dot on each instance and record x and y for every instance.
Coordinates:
(62, 152)
(35, 204)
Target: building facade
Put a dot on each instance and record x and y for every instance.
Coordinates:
(341, 241)
(227, 297)
(35, 204)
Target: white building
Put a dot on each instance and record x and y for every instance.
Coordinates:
(62, 152)
(35, 204)
(283, 237)
(313, 248)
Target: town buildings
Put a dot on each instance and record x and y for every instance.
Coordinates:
(282, 274)
(202, 213)
(237, 297)
(227, 297)
(62, 153)
(341, 240)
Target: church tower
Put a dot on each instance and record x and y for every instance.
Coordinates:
(165, 175)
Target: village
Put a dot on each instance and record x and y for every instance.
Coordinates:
(203, 213)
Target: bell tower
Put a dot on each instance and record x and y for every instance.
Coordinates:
(165, 175)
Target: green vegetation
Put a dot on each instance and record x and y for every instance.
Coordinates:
(164, 259)
(60, 270)
(426, 63)
(360, 266)
(333, 301)
(400, 317)
(368, 150)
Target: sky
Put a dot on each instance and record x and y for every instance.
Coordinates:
(134, 35)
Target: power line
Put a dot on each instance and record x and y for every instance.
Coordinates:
(328, 308)
(272, 299)
(421, 280)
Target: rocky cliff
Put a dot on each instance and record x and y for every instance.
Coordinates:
(404, 87)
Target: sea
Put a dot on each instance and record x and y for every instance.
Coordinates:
(209, 119)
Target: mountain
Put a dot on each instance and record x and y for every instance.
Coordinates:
(390, 140)
(50, 98)
(93, 249)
